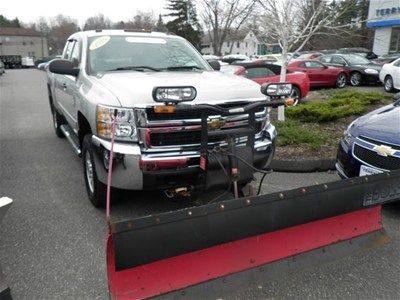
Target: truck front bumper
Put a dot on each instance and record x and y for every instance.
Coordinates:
(130, 173)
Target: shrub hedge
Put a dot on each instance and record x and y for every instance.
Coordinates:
(340, 104)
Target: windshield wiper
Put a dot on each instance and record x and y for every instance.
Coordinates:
(136, 68)
(183, 68)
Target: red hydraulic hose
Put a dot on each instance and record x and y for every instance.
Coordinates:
(110, 166)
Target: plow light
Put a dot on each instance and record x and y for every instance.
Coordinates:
(174, 94)
(277, 89)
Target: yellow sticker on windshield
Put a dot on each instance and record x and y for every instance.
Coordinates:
(99, 42)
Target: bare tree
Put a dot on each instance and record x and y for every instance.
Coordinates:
(221, 17)
(143, 20)
(291, 24)
(97, 22)
(61, 28)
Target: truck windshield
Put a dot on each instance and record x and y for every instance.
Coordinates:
(144, 54)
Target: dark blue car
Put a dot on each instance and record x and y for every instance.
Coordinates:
(371, 144)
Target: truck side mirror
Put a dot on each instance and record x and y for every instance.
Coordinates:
(64, 67)
(215, 64)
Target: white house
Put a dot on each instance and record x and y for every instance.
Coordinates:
(240, 43)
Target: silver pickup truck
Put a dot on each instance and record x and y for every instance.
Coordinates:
(104, 70)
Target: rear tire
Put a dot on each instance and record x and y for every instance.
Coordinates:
(96, 190)
(341, 81)
(296, 95)
(388, 84)
(355, 79)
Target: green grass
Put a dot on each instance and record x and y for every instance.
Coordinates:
(292, 132)
(340, 104)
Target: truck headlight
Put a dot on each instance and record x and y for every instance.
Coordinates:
(125, 128)
(371, 71)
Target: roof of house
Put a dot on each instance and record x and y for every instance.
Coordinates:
(13, 31)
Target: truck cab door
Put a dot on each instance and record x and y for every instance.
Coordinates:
(67, 85)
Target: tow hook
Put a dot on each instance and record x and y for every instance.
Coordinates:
(178, 192)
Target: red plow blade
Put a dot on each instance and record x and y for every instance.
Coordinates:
(168, 252)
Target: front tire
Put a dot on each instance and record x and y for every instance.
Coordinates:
(355, 79)
(341, 81)
(388, 84)
(96, 190)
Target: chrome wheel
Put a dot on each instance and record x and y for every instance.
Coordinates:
(355, 79)
(388, 84)
(341, 81)
(89, 172)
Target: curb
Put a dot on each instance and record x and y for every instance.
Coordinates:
(303, 166)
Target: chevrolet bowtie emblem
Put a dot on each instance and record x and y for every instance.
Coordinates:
(385, 151)
(216, 123)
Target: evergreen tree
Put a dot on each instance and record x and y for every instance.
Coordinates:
(185, 23)
(160, 26)
(4, 22)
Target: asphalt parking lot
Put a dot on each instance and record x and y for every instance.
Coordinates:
(52, 241)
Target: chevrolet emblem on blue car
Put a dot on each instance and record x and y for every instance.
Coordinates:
(385, 151)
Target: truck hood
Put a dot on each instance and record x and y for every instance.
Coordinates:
(134, 88)
(382, 124)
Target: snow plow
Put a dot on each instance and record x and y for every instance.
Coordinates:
(5, 294)
(205, 250)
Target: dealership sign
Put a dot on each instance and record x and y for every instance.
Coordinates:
(387, 11)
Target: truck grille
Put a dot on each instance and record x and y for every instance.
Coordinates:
(374, 159)
(158, 139)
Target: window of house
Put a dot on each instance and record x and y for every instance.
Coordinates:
(395, 40)
(23, 43)
(32, 43)
(246, 44)
(238, 44)
(227, 44)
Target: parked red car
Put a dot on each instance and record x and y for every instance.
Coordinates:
(269, 73)
(320, 74)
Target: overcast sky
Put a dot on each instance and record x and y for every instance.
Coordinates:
(116, 10)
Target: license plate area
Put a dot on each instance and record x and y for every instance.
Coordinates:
(366, 170)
